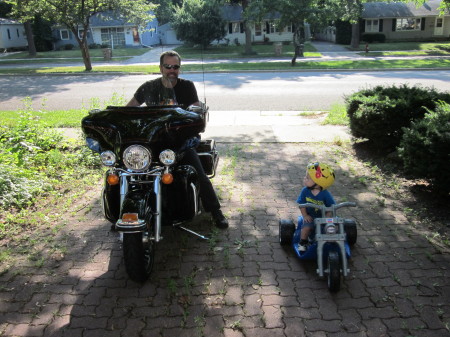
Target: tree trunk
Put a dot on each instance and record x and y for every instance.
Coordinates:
(248, 39)
(355, 36)
(86, 57)
(299, 44)
(82, 43)
(248, 31)
(30, 38)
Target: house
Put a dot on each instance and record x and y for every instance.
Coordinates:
(12, 35)
(168, 35)
(105, 30)
(396, 21)
(400, 21)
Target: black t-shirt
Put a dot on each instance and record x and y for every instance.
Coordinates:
(155, 93)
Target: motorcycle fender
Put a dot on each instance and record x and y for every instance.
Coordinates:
(138, 201)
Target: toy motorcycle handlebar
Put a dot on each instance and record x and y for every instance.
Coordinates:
(332, 208)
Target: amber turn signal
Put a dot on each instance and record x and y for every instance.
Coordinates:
(130, 217)
(167, 178)
(112, 179)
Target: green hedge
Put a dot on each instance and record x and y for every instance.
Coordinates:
(379, 114)
(425, 148)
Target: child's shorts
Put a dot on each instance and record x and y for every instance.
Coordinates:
(300, 223)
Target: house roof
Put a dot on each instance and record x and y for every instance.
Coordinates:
(400, 9)
(107, 20)
(233, 13)
(4, 21)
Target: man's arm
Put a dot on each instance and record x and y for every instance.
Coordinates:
(133, 102)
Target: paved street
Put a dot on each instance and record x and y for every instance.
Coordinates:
(242, 282)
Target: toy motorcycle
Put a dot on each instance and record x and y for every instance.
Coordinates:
(145, 186)
(330, 244)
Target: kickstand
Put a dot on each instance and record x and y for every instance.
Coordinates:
(192, 232)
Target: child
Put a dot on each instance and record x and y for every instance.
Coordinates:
(318, 178)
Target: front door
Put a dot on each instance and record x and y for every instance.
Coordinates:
(439, 26)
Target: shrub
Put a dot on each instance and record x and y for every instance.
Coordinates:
(380, 114)
(68, 46)
(373, 37)
(425, 147)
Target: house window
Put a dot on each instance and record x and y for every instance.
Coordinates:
(272, 28)
(64, 33)
(18, 34)
(235, 27)
(117, 35)
(80, 34)
(407, 24)
(9, 34)
(288, 29)
(372, 26)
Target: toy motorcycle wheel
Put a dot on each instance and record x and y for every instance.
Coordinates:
(351, 231)
(286, 231)
(334, 271)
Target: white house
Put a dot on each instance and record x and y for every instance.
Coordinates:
(264, 31)
(12, 35)
(400, 21)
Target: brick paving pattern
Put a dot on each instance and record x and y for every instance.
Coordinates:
(242, 282)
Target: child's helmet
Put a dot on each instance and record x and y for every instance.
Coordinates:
(321, 174)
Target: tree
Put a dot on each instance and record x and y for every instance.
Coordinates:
(165, 10)
(247, 24)
(76, 15)
(199, 22)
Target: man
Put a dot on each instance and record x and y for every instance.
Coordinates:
(169, 89)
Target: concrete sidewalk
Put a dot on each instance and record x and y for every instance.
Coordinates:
(271, 127)
(263, 127)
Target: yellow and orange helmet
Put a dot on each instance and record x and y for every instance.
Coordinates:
(321, 174)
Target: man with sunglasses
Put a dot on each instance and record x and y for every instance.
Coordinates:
(170, 89)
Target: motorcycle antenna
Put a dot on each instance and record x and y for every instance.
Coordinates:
(203, 74)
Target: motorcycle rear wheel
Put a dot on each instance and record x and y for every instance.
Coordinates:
(334, 271)
(138, 255)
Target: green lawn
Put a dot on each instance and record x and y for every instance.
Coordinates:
(75, 54)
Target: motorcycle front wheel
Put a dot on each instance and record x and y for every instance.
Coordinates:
(334, 271)
(139, 256)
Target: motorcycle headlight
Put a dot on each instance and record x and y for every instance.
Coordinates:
(330, 229)
(137, 158)
(167, 157)
(108, 158)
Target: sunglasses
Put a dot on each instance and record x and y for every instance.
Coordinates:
(170, 66)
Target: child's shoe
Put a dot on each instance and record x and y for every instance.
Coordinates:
(302, 248)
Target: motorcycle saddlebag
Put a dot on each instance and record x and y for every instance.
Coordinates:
(209, 156)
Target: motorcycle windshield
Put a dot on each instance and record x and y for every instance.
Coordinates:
(155, 126)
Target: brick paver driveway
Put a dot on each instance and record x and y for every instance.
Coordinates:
(241, 282)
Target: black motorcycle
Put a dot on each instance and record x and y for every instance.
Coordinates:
(145, 186)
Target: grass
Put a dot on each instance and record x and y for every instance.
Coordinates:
(407, 46)
(74, 54)
(240, 64)
(247, 66)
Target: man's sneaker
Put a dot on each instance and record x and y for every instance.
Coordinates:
(302, 248)
(219, 219)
